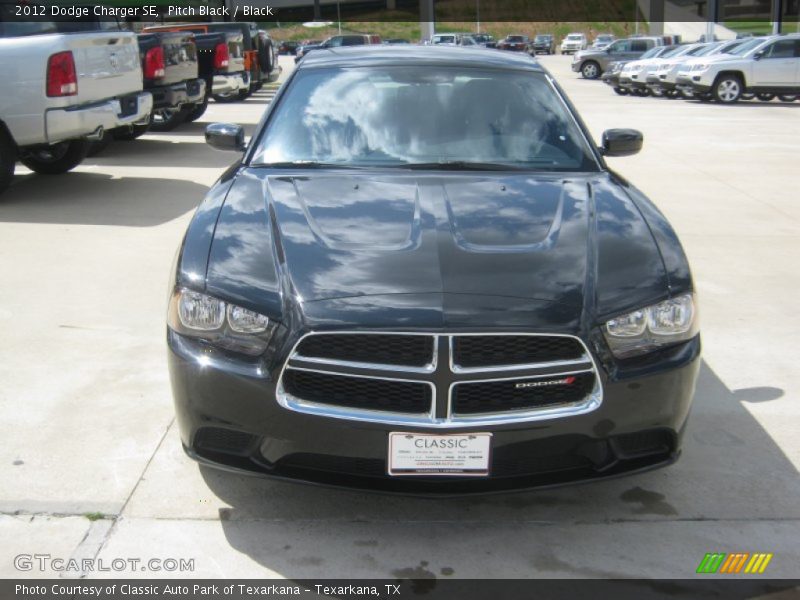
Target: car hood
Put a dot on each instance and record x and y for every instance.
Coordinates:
(321, 236)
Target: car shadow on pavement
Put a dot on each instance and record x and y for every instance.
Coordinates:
(196, 129)
(301, 531)
(98, 199)
(152, 151)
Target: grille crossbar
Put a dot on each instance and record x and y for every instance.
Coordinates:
(359, 376)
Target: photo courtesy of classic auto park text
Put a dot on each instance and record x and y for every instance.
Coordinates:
(449, 295)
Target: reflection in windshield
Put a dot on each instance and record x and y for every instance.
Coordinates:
(396, 116)
(746, 47)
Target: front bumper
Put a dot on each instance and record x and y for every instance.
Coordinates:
(191, 91)
(684, 84)
(229, 417)
(230, 83)
(611, 79)
(79, 121)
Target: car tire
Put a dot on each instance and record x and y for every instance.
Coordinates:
(56, 159)
(166, 119)
(195, 111)
(787, 97)
(748, 96)
(672, 94)
(8, 158)
(590, 70)
(728, 89)
(765, 97)
(128, 134)
(621, 91)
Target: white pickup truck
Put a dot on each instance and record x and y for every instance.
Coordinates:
(63, 85)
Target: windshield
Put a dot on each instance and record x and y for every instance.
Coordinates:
(399, 116)
(653, 52)
(674, 52)
(710, 49)
(605, 38)
(729, 47)
(747, 46)
(516, 38)
(573, 37)
(444, 39)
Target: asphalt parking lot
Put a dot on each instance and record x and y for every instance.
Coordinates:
(88, 417)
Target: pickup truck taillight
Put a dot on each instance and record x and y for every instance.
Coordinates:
(221, 56)
(62, 79)
(154, 63)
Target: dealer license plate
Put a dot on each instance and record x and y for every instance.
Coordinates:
(432, 454)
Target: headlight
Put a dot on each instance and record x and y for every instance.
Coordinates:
(647, 329)
(699, 67)
(223, 324)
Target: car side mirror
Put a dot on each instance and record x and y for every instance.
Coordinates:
(758, 55)
(226, 136)
(621, 142)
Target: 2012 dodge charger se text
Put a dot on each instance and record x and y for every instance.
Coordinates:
(422, 277)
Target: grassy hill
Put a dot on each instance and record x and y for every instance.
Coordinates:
(410, 29)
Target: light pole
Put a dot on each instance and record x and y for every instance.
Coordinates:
(478, 13)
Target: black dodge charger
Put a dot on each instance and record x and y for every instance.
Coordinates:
(422, 277)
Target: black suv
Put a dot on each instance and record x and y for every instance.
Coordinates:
(543, 43)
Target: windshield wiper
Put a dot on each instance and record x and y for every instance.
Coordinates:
(307, 164)
(462, 165)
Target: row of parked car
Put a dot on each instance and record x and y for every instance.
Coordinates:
(78, 85)
(540, 44)
(726, 71)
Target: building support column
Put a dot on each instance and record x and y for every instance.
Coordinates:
(777, 15)
(426, 20)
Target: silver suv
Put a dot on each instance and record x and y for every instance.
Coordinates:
(592, 63)
(764, 66)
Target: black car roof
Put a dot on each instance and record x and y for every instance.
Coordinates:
(376, 55)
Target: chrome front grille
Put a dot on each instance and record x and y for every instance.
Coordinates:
(440, 380)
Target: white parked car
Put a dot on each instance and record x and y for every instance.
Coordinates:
(574, 42)
(763, 66)
(71, 82)
(445, 39)
(664, 80)
(648, 72)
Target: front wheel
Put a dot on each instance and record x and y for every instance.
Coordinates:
(621, 91)
(748, 96)
(765, 97)
(728, 89)
(590, 70)
(166, 119)
(56, 159)
(8, 156)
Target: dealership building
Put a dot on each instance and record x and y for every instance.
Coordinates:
(783, 15)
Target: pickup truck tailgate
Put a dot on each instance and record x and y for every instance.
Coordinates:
(107, 64)
(180, 54)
